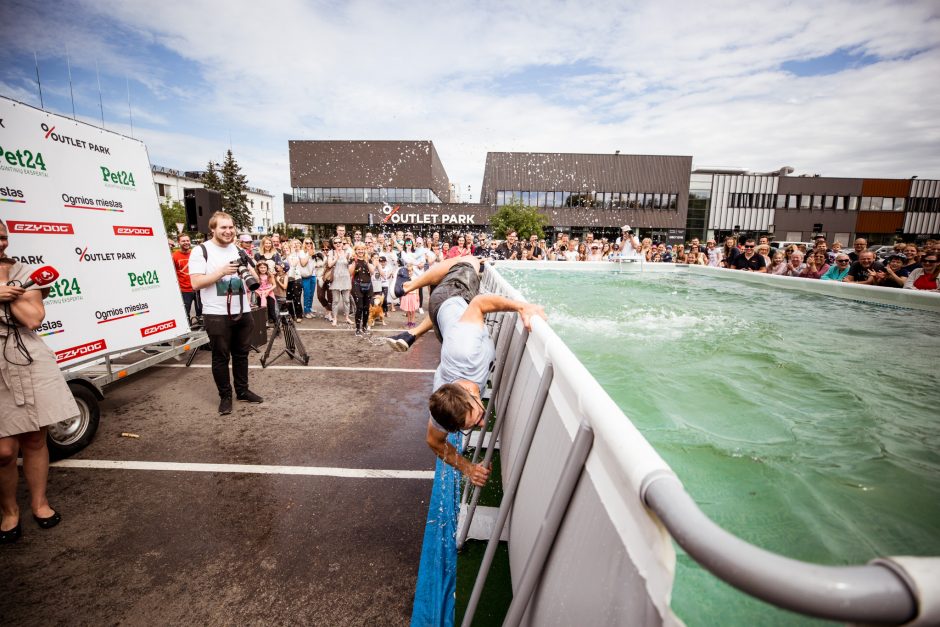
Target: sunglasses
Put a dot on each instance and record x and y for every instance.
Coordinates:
(842, 260)
(748, 247)
(928, 261)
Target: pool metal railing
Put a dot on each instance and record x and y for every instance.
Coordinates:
(593, 538)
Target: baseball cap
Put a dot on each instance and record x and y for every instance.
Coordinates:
(244, 238)
(626, 227)
(900, 256)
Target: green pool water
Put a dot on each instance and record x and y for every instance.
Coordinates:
(805, 424)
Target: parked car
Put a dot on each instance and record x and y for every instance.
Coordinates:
(783, 245)
(881, 251)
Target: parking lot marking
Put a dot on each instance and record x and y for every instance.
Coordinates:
(344, 368)
(317, 471)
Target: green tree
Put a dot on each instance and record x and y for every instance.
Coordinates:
(520, 218)
(210, 178)
(173, 213)
(287, 231)
(234, 198)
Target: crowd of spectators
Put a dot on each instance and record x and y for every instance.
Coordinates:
(340, 277)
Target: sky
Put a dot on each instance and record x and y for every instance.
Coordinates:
(836, 88)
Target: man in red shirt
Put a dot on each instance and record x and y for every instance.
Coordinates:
(181, 263)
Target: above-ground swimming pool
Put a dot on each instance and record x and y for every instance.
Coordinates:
(803, 423)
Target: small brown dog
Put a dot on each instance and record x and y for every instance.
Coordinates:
(375, 311)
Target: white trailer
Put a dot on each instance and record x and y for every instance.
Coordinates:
(82, 200)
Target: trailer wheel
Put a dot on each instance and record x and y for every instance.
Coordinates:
(70, 436)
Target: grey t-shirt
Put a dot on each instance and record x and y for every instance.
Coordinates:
(467, 351)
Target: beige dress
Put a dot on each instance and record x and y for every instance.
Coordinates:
(33, 395)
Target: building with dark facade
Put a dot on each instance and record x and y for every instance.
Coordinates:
(394, 185)
(795, 208)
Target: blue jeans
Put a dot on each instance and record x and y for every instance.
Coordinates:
(310, 287)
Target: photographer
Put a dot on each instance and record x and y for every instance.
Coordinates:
(629, 244)
(220, 272)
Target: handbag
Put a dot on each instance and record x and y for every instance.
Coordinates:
(328, 275)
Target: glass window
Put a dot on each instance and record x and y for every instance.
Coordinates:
(540, 199)
(828, 202)
(887, 204)
(673, 200)
(563, 198)
(656, 201)
(792, 201)
(500, 199)
(649, 201)
(839, 202)
(805, 200)
(899, 204)
(781, 201)
(852, 202)
(817, 202)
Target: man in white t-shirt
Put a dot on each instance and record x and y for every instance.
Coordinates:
(213, 270)
(456, 312)
(629, 244)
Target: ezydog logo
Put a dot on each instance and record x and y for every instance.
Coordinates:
(45, 228)
(160, 327)
(9, 194)
(50, 327)
(145, 231)
(83, 350)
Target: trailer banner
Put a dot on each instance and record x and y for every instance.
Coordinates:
(82, 200)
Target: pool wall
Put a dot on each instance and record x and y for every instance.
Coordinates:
(613, 560)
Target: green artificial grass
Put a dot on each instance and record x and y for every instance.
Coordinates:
(497, 593)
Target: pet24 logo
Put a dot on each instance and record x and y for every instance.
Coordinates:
(65, 288)
(23, 159)
(121, 177)
(145, 279)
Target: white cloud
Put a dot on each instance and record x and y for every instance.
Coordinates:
(673, 77)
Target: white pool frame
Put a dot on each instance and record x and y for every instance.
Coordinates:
(610, 558)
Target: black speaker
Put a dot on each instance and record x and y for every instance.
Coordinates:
(259, 333)
(200, 204)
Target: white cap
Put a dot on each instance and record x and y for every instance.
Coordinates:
(626, 227)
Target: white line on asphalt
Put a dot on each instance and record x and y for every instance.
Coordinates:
(343, 368)
(319, 471)
(351, 330)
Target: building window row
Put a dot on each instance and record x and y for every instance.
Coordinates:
(816, 202)
(364, 194)
(923, 205)
(596, 200)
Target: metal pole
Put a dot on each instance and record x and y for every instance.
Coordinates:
(130, 116)
(557, 507)
(870, 594)
(503, 342)
(68, 64)
(509, 491)
(100, 101)
(38, 83)
(497, 426)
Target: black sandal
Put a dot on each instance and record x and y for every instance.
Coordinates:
(11, 535)
(48, 523)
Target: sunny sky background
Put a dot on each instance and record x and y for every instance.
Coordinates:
(836, 88)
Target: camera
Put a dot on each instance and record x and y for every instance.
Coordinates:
(244, 273)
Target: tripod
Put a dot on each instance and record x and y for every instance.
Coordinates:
(284, 323)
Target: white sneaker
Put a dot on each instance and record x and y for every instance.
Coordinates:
(421, 310)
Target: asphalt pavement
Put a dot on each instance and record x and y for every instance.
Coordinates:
(294, 511)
